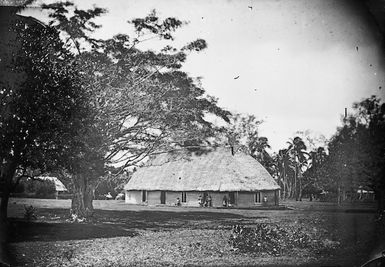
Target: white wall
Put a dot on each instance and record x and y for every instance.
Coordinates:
(247, 199)
(192, 199)
(133, 197)
(242, 199)
(217, 198)
(171, 197)
(153, 197)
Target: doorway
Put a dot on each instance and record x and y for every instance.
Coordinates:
(232, 198)
(162, 197)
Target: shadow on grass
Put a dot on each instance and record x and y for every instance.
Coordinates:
(41, 231)
(53, 227)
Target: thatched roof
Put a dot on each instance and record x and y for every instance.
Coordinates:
(59, 186)
(212, 170)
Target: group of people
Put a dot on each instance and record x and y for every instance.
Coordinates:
(206, 201)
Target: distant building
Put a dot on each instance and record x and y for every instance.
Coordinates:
(214, 175)
(59, 186)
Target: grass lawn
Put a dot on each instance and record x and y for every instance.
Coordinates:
(127, 235)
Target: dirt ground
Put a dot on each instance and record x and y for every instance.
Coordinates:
(130, 235)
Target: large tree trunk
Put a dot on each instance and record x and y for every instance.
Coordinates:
(81, 204)
(7, 173)
(284, 188)
(300, 185)
(290, 188)
(4, 205)
(380, 195)
(284, 183)
(295, 183)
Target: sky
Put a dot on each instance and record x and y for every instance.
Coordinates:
(299, 63)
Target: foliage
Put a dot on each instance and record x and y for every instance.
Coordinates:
(242, 134)
(143, 102)
(37, 115)
(42, 102)
(288, 166)
(313, 183)
(291, 163)
(140, 101)
(42, 188)
(107, 186)
(311, 139)
(295, 165)
(357, 151)
(273, 239)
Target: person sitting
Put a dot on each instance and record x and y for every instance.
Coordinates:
(177, 202)
(224, 202)
(209, 201)
(200, 202)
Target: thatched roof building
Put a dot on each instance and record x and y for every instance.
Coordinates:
(59, 186)
(211, 172)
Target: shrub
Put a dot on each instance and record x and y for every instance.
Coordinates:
(41, 188)
(275, 240)
(45, 188)
(105, 187)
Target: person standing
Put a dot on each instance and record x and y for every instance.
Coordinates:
(209, 201)
(265, 200)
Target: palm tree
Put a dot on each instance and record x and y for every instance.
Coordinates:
(297, 148)
(257, 148)
(316, 159)
(283, 163)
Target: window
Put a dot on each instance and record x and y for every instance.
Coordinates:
(258, 197)
(184, 197)
(144, 196)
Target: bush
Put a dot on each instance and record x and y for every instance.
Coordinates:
(45, 188)
(275, 240)
(41, 188)
(65, 195)
(105, 187)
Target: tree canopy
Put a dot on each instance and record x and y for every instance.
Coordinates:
(42, 101)
(142, 102)
(77, 104)
(357, 151)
